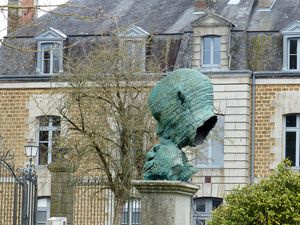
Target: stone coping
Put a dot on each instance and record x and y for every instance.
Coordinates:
(165, 186)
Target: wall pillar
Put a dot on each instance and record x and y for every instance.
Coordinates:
(62, 190)
(165, 202)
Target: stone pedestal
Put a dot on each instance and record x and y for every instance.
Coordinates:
(62, 190)
(165, 202)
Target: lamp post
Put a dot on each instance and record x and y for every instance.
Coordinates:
(31, 152)
(29, 206)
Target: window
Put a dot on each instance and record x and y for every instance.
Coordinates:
(50, 58)
(43, 211)
(135, 53)
(292, 138)
(131, 213)
(211, 51)
(49, 132)
(211, 152)
(291, 46)
(50, 51)
(202, 208)
(293, 54)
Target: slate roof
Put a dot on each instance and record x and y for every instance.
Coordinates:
(279, 16)
(90, 17)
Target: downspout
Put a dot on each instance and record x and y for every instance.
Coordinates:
(252, 128)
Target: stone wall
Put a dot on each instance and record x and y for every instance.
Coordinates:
(232, 99)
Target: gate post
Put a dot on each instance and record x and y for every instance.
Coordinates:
(62, 190)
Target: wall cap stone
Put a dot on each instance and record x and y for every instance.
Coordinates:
(164, 186)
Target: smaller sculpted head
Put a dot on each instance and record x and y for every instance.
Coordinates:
(182, 104)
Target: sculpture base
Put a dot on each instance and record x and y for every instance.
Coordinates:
(165, 202)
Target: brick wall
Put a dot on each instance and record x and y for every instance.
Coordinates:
(269, 146)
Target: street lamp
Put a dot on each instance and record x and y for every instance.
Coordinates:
(31, 151)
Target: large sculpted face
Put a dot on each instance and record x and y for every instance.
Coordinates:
(182, 104)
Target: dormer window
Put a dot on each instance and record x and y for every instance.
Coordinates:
(291, 46)
(211, 42)
(293, 52)
(211, 51)
(133, 41)
(50, 52)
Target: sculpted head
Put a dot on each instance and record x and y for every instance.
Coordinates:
(182, 104)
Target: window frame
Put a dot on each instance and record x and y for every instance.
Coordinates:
(50, 129)
(43, 209)
(297, 143)
(58, 46)
(204, 215)
(208, 145)
(212, 51)
(140, 44)
(130, 210)
(297, 53)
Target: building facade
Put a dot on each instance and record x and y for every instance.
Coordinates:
(248, 48)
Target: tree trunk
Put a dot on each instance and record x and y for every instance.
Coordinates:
(118, 208)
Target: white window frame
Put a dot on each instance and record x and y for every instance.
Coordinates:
(292, 31)
(50, 129)
(140, 44)
(216, 132)
(54, 46)
(132, 205)
(42, 207)
(212, 51)
(206, 215)
(297, 130)
(54, 37)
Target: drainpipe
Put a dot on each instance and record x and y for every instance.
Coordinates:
(252, 128)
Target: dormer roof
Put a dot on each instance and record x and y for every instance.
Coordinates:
(51, 34)
(134, 31)
(211, 19)
(293, 28)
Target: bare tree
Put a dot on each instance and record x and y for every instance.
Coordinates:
(109, 126)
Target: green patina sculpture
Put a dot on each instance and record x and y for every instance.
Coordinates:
(182, 104)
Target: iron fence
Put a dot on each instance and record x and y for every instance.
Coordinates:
(93, 204)
(17, 193)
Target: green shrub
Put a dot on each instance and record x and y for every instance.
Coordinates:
(274, 200)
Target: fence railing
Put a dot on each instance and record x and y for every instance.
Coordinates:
(94, 204)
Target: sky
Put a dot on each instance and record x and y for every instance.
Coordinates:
(48, 6)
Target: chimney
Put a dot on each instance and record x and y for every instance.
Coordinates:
(13, 15)
(265, 3)
(27, 12)
(20, 12)
(201, 5)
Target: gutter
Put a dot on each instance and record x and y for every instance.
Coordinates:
(252, 129)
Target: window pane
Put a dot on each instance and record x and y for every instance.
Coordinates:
(56, 57)
(46, 62)
(43, 136)
(200, 205)
(43, 154)
(44, 121)
(293, 46)
(216, 57)
(56, 121)
(135, 218)
(291, 121)
(206, 57)
(207, 43)
(124, 218)
(293, 62)
(41, 216)
(290, 146)
(216, 203)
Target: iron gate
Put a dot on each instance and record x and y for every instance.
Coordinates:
(18, 193)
